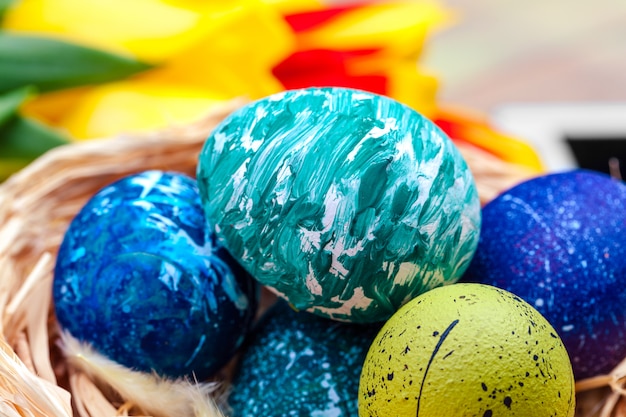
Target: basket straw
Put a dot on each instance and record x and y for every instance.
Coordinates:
(42, 374)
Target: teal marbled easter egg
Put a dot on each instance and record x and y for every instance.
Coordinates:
(347, 204)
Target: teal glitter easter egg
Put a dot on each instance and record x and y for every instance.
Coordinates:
(346, 203)
(299, 364)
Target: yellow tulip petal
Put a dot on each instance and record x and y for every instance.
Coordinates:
(235, 59)
(253, 34)
(286, 7)
(406, 82)
(150, 30)
(507, 148)
(415, 88)
(282, 6)
(129, 107)
(50, 107)
(473, 127)
(399, 28)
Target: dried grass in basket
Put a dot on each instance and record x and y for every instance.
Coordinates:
(45, 373)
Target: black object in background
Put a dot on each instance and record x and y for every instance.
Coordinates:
(601, 154)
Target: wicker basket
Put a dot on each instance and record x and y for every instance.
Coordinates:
(40, 375)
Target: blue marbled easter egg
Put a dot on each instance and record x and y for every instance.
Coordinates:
(346, 203)
(139, 276)
(300, 364)
(559, 242)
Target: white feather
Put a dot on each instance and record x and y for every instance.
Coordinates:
(152, 394)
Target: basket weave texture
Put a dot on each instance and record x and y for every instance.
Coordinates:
(38, 203)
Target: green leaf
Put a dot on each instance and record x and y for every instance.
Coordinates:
(9, 167)
(26, 139)
(4, 5)
(51, 64)
(11, 101)
(22, 140)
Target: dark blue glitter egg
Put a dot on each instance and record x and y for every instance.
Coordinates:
(299, 364)
(559, 242)
(139, 277)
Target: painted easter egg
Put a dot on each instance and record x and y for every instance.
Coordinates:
(140, 278)
(559, 242)
(300, 364)
(346, 203)
(467, 350)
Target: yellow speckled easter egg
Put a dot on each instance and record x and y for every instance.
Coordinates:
(467, 350)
